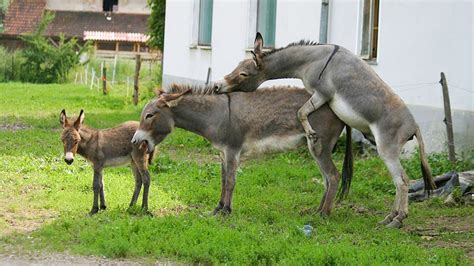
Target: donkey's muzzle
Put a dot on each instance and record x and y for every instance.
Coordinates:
(218, 86)
(68, 161)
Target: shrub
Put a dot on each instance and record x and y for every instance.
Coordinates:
(46, 62)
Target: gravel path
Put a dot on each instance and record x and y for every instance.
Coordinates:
(66, 259)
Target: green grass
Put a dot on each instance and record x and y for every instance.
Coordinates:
(44, 202)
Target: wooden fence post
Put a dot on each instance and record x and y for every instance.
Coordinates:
(135, 80)
(448, 120)
(104, 79)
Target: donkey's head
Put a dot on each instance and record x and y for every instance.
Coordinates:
(248, 74)
(70, 135)
(157, 121)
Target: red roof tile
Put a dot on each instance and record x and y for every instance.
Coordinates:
(22, 16)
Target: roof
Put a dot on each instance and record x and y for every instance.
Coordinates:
(75, 24)
(115, 36)
(23, 16)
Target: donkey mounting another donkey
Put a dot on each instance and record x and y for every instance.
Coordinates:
(106, 148)
(355, 93)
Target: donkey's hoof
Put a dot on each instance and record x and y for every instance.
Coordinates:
(147, 213)
(385, 221)
(324, 214)
(216, 211)
(226, 210)
(394, 224)
(103, 207)
(389, 218)
(93, 211)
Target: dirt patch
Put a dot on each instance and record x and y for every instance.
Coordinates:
(448, 231)
(67, 259)
(24, 220)
(13, 127)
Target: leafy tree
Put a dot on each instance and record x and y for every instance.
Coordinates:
(156, 23)
(47, 62)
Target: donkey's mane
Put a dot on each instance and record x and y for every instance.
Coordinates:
(300, 43)
(194, 88)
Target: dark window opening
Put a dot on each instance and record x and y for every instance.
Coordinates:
(127, 47)
(108, 5)
(107, 46)
(370, 29)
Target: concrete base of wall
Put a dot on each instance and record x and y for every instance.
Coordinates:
(430, 120)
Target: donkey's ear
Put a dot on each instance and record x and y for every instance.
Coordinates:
(172, 100)
(258, 44)
(63, 119)
(79, 120)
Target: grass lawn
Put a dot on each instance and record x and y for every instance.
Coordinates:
(44, 202)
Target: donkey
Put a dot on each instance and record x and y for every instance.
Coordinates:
(236, 129)
(105, 148)
(333, 75)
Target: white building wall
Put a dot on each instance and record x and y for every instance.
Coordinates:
(417, 40)
(74, 5)
(133, 7)
(124, 6)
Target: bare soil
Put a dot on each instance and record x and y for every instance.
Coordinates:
(448, 231)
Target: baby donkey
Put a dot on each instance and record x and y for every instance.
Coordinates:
(105, 148)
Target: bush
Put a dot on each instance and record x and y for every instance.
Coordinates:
(10, 65)
(48, 63)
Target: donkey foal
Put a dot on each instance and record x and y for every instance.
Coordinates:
(105, 148)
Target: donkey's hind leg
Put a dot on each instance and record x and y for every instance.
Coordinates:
(329, 135)
(138, 184)
(331, 176)
(389, 151)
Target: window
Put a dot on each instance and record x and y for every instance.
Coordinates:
(266, 20)
(370, 29)
(106, 46)
(108, 5)
(205, 22)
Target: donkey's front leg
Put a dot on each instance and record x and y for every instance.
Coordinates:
(146, 187)
(232, 162)
(220, 205)
(138, 183)
(313, 104)
(96, 186)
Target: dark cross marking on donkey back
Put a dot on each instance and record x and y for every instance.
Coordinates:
(335, 76)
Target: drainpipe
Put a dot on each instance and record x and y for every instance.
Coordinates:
(323, 25)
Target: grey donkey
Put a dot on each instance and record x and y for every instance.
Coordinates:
(239, 124)
(106, 148)
(335, 76)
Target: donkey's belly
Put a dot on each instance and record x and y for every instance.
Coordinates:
(272, 144)
(348, 115)
(118, 161)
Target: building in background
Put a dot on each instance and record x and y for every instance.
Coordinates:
(408, 43)
(116, 27)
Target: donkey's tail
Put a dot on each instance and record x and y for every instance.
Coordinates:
(425, 167)
(347, 167)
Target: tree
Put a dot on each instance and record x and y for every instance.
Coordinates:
(47, 62)
(156, 23)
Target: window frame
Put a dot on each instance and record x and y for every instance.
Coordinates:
(368, 41)
(195, 41)
(254, 23)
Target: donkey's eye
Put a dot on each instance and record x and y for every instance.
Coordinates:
(148, 116)
(243, 74)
